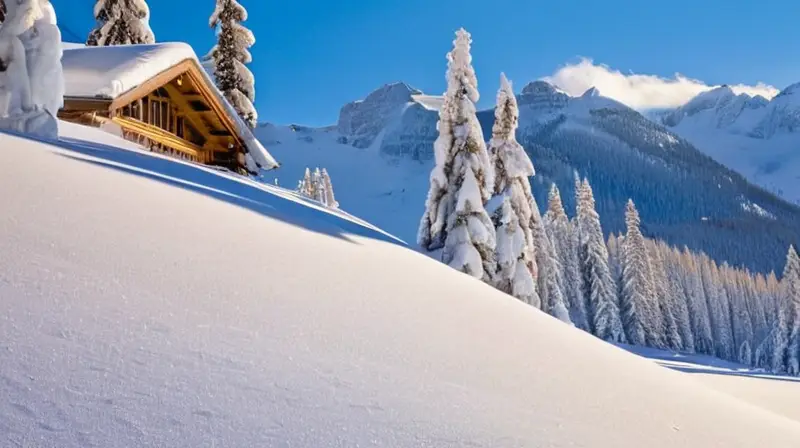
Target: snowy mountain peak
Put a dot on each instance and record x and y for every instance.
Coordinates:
(540, 88)
(592, 92)
(361, 121)
(789, 91)
(541, 95)
(720, 106)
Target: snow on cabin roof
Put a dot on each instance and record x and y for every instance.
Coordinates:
(110, 72)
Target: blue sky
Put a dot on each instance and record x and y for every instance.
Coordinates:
(313, 56)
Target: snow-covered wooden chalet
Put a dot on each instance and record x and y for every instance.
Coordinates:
(161, 97)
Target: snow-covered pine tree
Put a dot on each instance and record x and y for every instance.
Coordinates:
(319, 193)
(462, 178)
(598, 285)
(305, 186)
(121, 22)
(512, 167)
(697, 303)
(790, 283)
(677, 294)
(637, 291)
(551, 277)
(230, 55)
(564, 237)
(718, 309)
(330, 199)
(665, 307)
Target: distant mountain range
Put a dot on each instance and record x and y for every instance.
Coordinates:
(380, 153)
(757, 137)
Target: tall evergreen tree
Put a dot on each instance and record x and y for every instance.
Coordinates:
(121, 22)
(665, 308)
(637, 290)
(564, 237)
(790, 284)
(462, 178)
(230, 55)
(598, 285)
(697, 303)
(330, 199)
(512, 168)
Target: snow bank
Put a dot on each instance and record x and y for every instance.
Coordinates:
(109, 72)
(152, 303)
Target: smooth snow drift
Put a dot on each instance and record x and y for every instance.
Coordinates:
(150, 302)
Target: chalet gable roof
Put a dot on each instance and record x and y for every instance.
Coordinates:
(111, 72)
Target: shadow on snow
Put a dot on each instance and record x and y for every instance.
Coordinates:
(703, 364)
(239, 191)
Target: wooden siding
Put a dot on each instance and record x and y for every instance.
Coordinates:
(175, 112)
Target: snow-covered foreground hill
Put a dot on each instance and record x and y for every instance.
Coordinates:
(149, 302)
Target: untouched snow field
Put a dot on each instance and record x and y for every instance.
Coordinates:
(151, 303)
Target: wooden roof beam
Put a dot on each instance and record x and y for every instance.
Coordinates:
(183, 104)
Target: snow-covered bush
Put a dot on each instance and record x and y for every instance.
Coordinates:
(32, 80)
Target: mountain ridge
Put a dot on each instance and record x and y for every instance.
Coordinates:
(685, 197)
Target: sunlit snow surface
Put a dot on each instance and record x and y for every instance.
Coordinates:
(153, 303)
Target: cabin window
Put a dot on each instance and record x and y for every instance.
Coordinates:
(179, 126)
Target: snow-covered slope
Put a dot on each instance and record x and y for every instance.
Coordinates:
(754, 136)
(149, 302)
(380, 153)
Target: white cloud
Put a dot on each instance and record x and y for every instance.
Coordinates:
(640, 92)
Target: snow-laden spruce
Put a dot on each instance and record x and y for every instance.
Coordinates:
(329, 199)
(121, 22)
(229, 57)
(598, 285)
(30, 53)
(461, 181)
(318, 186)
(636, 300)
(564, 237)
(781, 351)
(512, 168)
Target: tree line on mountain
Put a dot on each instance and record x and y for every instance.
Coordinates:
(126, 22)
(482, 219)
